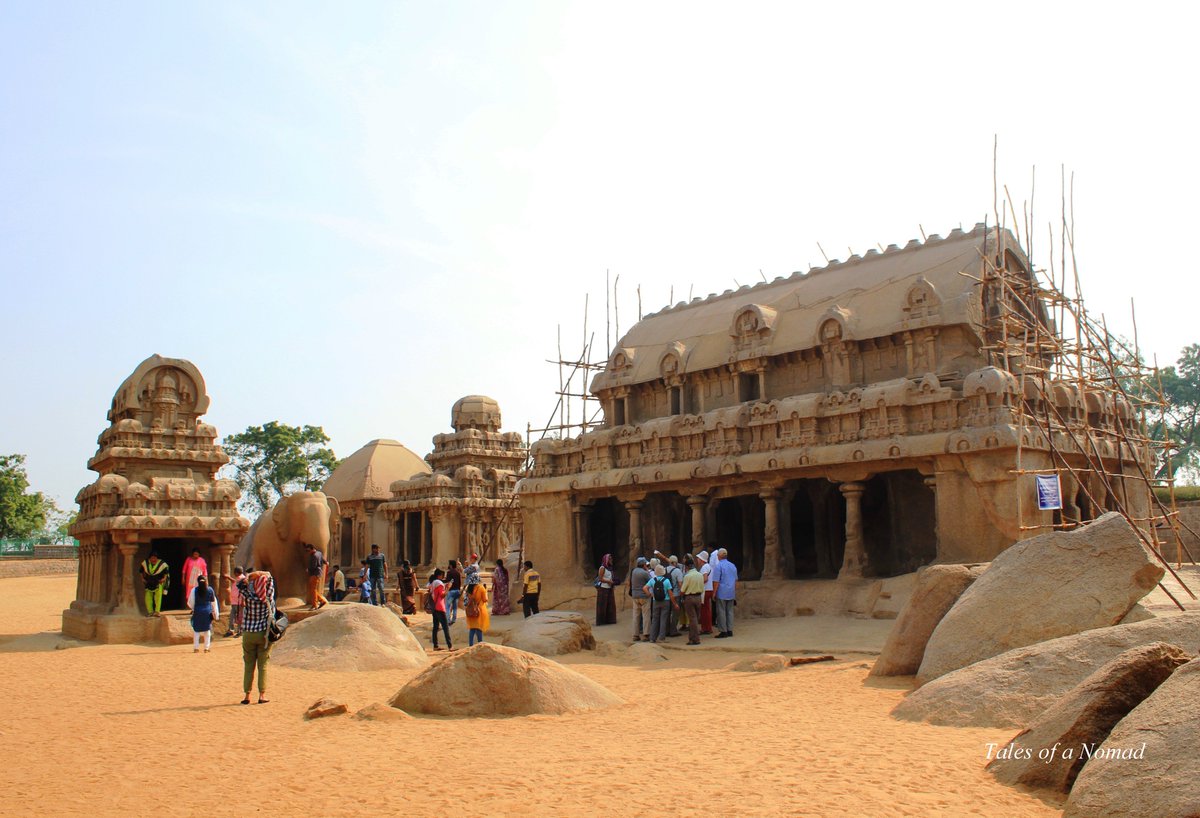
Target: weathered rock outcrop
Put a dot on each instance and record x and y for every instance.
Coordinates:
(938, 588)
(492, 680)
(1014, 688)
(551, 633)
(1150, 763)
(1042, 588)
(1084, 716)
(381, 712)
(766, 663)
(350, 637)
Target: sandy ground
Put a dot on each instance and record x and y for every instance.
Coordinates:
(137, 729)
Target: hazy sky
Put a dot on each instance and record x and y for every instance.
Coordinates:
(351, 215)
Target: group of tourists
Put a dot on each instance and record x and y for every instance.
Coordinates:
(698, 593)
(461, 581)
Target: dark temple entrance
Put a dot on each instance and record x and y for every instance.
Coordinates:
(899, 523)
(815, 524)
(174, 551)
(740, 526)
(666, 524)
(607, 533)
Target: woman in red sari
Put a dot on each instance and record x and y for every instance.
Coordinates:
(500, 603)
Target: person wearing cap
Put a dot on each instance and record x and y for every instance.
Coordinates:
(691, 592)
(725, 578)
(705, 569)
(675, 572)
(639, 577)
(662, 601)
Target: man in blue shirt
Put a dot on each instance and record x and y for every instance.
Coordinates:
(725, 577)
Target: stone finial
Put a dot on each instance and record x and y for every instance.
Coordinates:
(475, 412)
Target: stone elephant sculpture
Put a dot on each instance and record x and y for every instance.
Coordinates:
(276, 541)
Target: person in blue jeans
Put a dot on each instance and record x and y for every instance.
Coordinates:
(454, 581)
(377, 571)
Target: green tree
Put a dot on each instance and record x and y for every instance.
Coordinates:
(22, 514)
(1181, 390)
(275, 459)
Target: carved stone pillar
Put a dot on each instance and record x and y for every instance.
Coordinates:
(126, 604)
(931, 482)
(772, 554)
(697, 503)
(83, 579)
(635, 529)
(855, 561)
(580, 516)
(225, 572)
(91, 585)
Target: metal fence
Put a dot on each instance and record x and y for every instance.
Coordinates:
(24, 548)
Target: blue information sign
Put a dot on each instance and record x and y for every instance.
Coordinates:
(1049, 492)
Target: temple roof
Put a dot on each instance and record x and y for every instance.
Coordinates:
(878, 294)
(366, 474)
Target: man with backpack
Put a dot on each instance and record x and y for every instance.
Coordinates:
(662, 602)
(638, 579)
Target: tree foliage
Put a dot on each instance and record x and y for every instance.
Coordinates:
(1181, 390)
(275, 459)
(22, 513)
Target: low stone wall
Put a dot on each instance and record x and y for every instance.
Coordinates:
(37, 567)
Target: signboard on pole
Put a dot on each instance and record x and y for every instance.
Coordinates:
(1049, 492)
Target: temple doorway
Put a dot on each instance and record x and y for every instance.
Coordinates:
(607, 533)
(741, 530)
(899, 523)
(815, 526)
(174, 551)
(666, 524)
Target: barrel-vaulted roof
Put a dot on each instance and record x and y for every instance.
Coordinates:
(366, 474)
(929, 283)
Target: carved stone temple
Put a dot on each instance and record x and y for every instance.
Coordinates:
(842, 423)
(467, 504)
(157, 489)
(360, 484)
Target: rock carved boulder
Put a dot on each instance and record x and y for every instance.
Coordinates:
(493, 680)
(1052, 585)
(937, 588)
(551, 633)
(1150, 763)
(325, 707)
(1014, 688)
(350, 637)
(1049, 755)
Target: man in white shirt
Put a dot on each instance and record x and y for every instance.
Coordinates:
(706, 611)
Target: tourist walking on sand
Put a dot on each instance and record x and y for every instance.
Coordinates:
(156, 577)
(454, 581)
(437, 593)
(203, 602)
(475, 607)
(377, 569)
(639, 577)
(235, 603)
(606, 600)
(725, 577)
(705, 568)
(531, 590)
(500, 603)
(194, 567)
(408, 588)
(662, 602)
(258, 610)
(316, 574)
(691, 592)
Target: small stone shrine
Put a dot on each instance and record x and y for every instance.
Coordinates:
(157, 489)
(466, 505)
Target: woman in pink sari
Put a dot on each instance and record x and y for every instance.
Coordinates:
(500, 604)
(194, 567)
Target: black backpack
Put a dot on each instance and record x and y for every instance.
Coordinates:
(660, 589)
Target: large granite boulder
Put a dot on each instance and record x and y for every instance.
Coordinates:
(1047, 755)
(350, 637)
(938, 588)
(551, 633)
(1150, 763)
(1042, 588)
(492, 680)
(1014, 688)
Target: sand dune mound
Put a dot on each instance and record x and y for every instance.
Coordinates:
(492, 680)
(350, 637)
